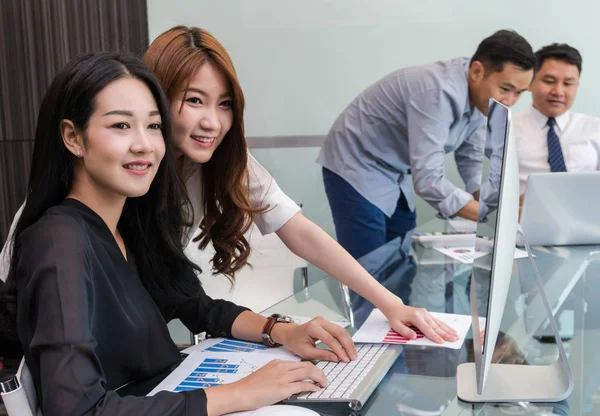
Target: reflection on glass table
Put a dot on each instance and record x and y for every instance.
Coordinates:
(422, 381)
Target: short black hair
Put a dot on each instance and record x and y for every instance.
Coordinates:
(561, 52)
(504, 46)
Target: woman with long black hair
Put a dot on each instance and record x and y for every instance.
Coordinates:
(97, 268)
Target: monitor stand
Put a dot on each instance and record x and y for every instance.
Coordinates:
(520, 383)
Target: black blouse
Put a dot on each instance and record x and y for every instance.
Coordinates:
(88, 325)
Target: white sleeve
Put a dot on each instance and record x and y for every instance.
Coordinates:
(5, 255)
(264, 192)
(596, 143)
(193, 186)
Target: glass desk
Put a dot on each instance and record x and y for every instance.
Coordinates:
(423, 379)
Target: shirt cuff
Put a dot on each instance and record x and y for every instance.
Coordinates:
(196, 402)
(472, 185)
(454, 202)
(228, 318)
(483, 210)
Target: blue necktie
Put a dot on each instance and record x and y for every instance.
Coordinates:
(555, 155)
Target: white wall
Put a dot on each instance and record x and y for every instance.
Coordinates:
(301, 62)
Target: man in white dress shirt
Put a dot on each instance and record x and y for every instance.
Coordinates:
(550, 138)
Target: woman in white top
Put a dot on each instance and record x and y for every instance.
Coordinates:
(230, 190)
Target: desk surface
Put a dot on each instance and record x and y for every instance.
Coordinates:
(423, 380)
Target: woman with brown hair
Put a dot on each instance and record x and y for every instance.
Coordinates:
(229, 190)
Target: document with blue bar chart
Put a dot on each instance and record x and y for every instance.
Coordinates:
(225, 345)
(211, 368)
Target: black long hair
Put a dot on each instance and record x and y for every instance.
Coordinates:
(152, 224)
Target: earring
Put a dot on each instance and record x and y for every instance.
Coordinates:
(78, 153)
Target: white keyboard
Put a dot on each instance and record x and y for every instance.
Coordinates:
(447, 239)
(344, 378)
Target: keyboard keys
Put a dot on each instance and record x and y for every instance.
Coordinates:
(344, 378)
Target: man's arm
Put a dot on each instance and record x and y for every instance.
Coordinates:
(470, 211)
(469, 159)
(429, 117)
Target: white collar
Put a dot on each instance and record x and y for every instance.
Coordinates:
(541, 120)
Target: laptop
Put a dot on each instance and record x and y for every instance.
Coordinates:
(562, 209)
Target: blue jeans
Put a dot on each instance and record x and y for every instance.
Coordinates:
(360, 226)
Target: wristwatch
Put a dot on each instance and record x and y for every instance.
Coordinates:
(266, 331)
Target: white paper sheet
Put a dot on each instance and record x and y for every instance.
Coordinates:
(228, 346)
(377, 329)
(208, 369)
(463, 254)
(467, 254)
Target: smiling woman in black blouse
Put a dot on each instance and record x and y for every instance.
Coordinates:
(97, 267)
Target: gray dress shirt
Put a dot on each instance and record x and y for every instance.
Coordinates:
(400, 128)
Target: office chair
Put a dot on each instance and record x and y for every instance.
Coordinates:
(26, 381)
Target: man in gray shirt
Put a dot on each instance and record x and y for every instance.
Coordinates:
(392, 139)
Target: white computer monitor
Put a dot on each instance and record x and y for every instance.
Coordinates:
(483, 381)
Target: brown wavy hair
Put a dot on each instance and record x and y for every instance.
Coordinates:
(175, 56)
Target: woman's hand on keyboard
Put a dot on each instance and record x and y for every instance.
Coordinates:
(301, 340)
(402, 317)
(276, 381)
